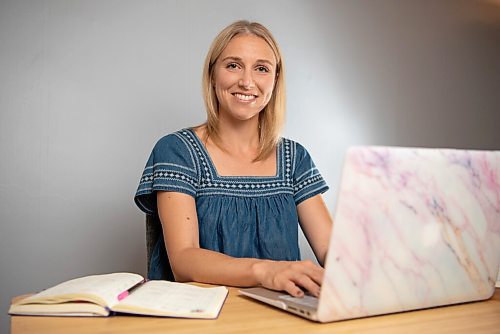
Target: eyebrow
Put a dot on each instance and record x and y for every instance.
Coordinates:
(240, 59)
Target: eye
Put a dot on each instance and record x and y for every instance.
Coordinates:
(232, 66)
(262, 69)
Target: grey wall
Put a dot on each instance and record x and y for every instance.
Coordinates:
(87, 87)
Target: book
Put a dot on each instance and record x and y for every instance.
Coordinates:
(107, 294)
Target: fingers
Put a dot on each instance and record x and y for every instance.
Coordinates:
(293, 289)
(311, 270)
(295, 277)
(308, 284)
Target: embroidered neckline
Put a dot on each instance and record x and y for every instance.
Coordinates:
(212, 183)
(202, 180)
(207, 162)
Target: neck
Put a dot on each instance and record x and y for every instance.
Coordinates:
(239, 136)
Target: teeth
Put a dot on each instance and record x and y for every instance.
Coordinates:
(244, 97)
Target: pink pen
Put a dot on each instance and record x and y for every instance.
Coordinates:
(128, 291)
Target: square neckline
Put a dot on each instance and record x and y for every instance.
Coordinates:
(215, 172)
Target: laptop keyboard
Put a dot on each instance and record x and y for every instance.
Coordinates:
(307, 300)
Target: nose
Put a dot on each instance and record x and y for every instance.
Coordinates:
(246, 81)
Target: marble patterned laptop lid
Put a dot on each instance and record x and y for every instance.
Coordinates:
(414, 228)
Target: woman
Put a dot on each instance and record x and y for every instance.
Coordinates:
(231, 193)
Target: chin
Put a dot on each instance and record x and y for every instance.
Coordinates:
(243, 118)
(243, 114)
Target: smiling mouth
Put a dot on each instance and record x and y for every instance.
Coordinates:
(245, 97)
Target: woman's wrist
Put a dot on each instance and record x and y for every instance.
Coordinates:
(259, 270)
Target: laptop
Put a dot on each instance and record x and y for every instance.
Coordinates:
(413, 228)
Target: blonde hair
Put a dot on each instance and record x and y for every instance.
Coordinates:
(272, 117)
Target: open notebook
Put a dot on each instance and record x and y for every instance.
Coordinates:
(413, 228)
(106, 294)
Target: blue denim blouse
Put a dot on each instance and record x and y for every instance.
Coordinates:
(241, 216)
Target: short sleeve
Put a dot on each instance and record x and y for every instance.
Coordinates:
(307, 181)
(170, 167)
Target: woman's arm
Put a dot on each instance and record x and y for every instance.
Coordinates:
(316, 223)
(189, 262)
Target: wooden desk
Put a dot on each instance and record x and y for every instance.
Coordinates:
(242, 315)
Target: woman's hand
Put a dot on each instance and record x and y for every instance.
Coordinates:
(290, 276)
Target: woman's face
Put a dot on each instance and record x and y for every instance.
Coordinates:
(244, 77)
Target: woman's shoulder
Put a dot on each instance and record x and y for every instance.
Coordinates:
(173, 138)
(178, 144)
(294, 147)
(180, 140)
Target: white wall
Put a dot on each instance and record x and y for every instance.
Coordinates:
(87, 87)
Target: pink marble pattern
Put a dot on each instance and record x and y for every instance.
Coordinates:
(414, 228)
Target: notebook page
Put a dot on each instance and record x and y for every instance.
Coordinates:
(175, 299)
(107, 287)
